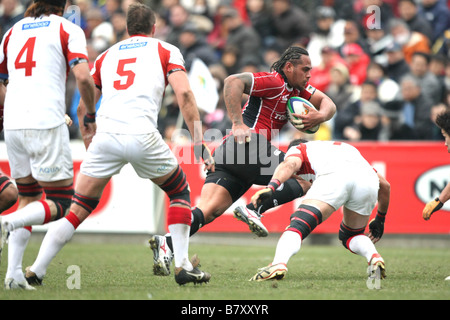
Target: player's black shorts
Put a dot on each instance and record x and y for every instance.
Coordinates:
(239, 166)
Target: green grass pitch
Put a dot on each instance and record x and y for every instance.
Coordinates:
(112, 271)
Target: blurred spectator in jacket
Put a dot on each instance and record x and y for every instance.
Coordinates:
(193, 45)
(242, 37)
(409, 12)
(321, 74)
(368, 125)
(357, 62)
(387, 89)
(430, 84)
(329, 32)
(291, 24)
(396, 67)
(436, 12)
(410, 41)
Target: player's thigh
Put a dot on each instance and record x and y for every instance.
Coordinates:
(151, 157)
(354, 220)
(105, 156)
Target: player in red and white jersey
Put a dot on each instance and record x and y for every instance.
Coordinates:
(343, 178)
(265, 111)
(130, 96)
(247, 156)
(36, 55)
(131, 77)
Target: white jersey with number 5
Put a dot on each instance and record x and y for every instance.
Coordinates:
(132, 75)
(35, 56)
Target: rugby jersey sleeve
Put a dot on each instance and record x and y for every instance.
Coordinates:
(267, 84)
(73, 42)
(95, 71)
(3, 55)
(171, 59)
(307, 92)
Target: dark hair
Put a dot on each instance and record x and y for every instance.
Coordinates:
(38, 9)
(140, 19)
(443, 121)
(293, 55)
(296, 142)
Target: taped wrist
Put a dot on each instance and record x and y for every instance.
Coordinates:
(274, 184)
(89, 118)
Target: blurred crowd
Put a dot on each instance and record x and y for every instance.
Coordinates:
(386, 64)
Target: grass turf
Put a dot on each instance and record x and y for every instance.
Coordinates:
(124, 271)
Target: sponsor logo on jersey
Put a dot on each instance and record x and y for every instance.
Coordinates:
(35, 25)
(132, 45)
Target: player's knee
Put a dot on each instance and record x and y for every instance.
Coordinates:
(305, 220)
(62, 197)
(87, 203)
(8, 193)
(177, 188)
(31, 190)
(346, 234)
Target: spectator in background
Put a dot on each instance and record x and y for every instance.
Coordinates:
(352, 34)
(340, 90)
(409, 13)
(321, 74)
(192, 46)
(260, 19)
(415, 111)
(242, 37)
(357, 62)
(329, 32)
(119, 23)
(396, 64)
(291, 24)
(436, 12)
(349, 115)
(431, 87)
(378, 40)
(387, 89)
(367, 125)
(410, 41)
(178, 18)
(11, 11)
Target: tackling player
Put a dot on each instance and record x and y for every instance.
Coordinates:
(342, 178)
(131, 77)
(443, 122)
(36, 55)
(246, 156)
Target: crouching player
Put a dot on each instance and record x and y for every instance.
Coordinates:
(342, 178)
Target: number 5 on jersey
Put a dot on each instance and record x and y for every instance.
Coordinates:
(29, 63)
(118, 85)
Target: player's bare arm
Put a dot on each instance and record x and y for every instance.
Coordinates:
(376, 225)
(188, 108)
(234, 87)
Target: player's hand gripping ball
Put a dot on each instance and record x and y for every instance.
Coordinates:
(296, 105)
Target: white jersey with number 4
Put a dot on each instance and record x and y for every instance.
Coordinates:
(35, 56)
(132, 75)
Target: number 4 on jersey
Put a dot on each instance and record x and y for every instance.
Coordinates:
(29, 63)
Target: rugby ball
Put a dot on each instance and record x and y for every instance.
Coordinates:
(296, 105)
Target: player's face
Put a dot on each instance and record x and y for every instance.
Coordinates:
(447, 140)
(298, 75)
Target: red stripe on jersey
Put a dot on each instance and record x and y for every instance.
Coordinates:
(164, 57)
(306, 165)
(4, 64)
(64, 38)
(96, 70)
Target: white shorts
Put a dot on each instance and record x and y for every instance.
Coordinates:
(149, 155)
(45, 153)
(357, 191)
